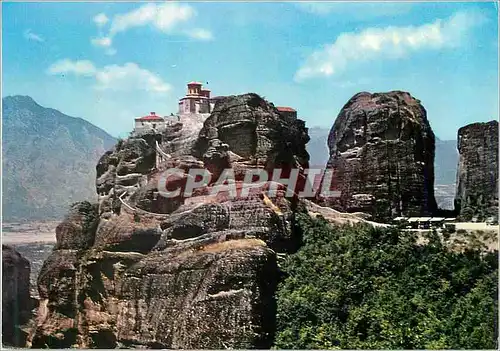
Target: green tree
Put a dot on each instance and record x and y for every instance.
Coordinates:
(360, 287)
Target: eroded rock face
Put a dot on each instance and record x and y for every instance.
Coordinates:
(216, 296)
(382, 155)
(16, 300)
(122, 169)
(77, 231)
(157, 272)
(477, 174)
(253, 129)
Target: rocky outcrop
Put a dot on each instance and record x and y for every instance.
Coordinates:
(477, 174)
(139, 269)
(77, 231)
(254, 130)
(382, 155)
(215, 296)
(122, 169)
(16, 301)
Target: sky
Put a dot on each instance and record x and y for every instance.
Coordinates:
(112, 62)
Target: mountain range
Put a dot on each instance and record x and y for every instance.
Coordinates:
(48, 160)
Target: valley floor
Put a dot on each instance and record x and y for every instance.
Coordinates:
(34, 241)
(30, 232)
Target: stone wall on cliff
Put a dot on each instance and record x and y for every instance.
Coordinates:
(16, 301)
(142, 270)
(477, 173)
(382, 156)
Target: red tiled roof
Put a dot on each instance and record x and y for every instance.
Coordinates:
(285, 109)
(195, 83)
(151, 117)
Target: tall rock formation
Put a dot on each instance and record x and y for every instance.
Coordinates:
(16, 300)
(445, 164)
(254, 130)
(142, 270)
(382, 156)
(477, 174)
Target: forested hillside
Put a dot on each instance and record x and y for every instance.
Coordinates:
(369, 288)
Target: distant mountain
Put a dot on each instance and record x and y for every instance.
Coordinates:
(445, 172)
(317, 147)
(445, 163)
(49, 159)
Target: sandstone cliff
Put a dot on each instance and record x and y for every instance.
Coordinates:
(16, 300)
(382, 154)
(477, 174)
(142, 270)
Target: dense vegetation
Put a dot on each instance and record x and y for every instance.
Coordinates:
(359, 287)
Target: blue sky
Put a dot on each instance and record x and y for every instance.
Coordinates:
(111, 62)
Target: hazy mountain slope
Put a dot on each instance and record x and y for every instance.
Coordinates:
(48, 161)
(317, 148)
(445, 165)
(445, 172)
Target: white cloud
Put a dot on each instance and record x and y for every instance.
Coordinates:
(81, 68)
(127, 77)
(168, 18)
(110, 52)
(29, 35)
(101, 19)
(355, 10)
(102, 41)
(201, 34)
(164, 17)
(105, 43)
(387, 43)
